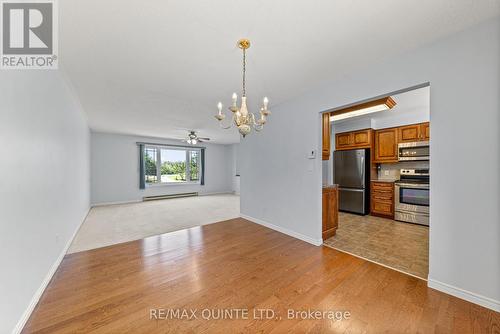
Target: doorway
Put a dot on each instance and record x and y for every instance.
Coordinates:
(379, 163)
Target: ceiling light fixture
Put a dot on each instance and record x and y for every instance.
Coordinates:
(385, 103)
(242, 118)
(193, 139)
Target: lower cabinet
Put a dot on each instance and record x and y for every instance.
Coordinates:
(330, 212)
(382, 199)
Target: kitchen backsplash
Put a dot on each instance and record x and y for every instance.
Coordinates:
(391, 171)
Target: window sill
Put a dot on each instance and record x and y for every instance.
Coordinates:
(165, 184)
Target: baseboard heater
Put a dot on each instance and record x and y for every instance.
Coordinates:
(158, 197)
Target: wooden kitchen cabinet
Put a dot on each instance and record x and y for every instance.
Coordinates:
(409, 133)
(414, 132)
(382, 199)
(354, 139)
(343, 141)
(386, 146)
(330, 212)
(425, 129)
(384, 142)
(362, 138)
(326, 136)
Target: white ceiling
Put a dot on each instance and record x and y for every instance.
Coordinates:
(159, 67)
(411, 107)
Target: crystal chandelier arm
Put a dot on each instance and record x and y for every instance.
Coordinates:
(230, 125)
(257, 127)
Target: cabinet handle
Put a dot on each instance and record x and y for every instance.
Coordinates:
(383, 198)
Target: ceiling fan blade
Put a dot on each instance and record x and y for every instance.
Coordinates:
(204, 138)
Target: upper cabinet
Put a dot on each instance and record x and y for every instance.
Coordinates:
(425, 130)
(343, 141)
(386, 146)
(362, 138)
(354, 139)
(414, 132)
(326, 136)
(383, 143)
(408, 133)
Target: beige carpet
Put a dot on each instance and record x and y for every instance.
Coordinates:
(113, 224)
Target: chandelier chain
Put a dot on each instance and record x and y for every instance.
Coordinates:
(244, 71)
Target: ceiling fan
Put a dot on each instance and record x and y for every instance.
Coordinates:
(193, 139)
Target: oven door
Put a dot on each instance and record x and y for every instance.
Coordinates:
(412, 197)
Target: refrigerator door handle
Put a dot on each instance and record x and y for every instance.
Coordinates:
(362, 171)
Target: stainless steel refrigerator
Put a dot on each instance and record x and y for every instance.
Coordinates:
(352, 171)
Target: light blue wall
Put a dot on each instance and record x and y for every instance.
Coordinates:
(115, 169)
(282, 187)
(44, 178)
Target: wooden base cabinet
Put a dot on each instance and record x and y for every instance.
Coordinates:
(382, 199)
(330, 211)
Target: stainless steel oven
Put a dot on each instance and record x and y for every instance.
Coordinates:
(413, 151)
(412, 194)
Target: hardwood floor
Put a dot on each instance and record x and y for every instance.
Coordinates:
(240, 265)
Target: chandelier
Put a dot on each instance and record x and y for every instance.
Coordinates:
(241, 117)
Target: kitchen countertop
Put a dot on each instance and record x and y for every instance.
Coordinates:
(330, 186)
(383, 180)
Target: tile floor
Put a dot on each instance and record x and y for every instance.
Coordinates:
(398, 245)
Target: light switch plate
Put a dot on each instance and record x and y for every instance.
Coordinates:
(312, 154)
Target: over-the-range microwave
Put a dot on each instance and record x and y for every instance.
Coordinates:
(414, 151)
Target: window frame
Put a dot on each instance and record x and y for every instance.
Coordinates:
(187, 160)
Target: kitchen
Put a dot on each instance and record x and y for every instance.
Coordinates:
(376, 180)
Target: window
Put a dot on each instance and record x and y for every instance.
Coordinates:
(150, 164)
(171, 165)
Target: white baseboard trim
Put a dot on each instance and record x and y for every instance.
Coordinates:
(216, 193)
(115, 203)
(140, 200)
(464, 294)
(38, 294)
(315, 242)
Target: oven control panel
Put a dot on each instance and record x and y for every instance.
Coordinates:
(416, 172)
